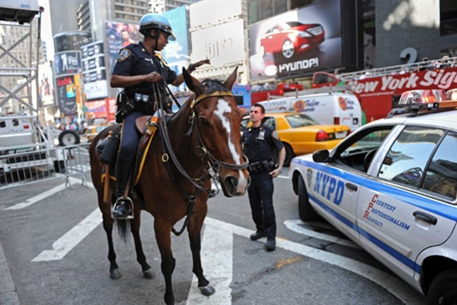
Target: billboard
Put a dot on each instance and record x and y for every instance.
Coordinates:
(66, 94)
(120, 35)
(177, 50)
(296, 42)
(46, 81)
(105, 108)
(221, 44)
(209, 12)
(68, 62)
(94, 71)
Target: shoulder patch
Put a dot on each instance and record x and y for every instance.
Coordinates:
(275, 135)
(123, 55)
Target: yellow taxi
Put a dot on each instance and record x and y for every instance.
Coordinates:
(300, 133)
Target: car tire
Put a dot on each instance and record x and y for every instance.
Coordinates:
(305, 211)
(288, 49)
(289, 154)
(443, 289)
(69, 137)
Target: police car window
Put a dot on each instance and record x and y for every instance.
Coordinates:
(441, 174)
(406, 160)
(300, 120)
(359, 153)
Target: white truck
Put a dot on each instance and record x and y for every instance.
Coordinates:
(24, 143)
(323, 105)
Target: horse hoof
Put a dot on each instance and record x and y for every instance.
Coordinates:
(148, 274)
(115, 274)
(207, 290)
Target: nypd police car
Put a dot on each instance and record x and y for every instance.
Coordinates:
(391, 187)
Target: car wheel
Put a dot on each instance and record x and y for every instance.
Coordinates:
(68, 137)
(443, 289)
(288, 49)
(289, 154)
(305, 211)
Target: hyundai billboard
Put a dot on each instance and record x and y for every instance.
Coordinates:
(296, 42)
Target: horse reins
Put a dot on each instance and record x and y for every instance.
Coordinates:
(212, 162)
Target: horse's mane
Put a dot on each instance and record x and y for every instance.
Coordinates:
(213, 85)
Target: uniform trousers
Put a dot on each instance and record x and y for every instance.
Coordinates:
(260, 193)
(130, 136)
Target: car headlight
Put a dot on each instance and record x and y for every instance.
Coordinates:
(304, 34)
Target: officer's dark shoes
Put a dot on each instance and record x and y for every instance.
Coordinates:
(270, 245)
(257, 235)
(122, 209)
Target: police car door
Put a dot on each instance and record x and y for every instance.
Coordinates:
(337, 186)
(404, 206)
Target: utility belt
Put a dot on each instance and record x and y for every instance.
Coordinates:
(138, 102)
(262, 166)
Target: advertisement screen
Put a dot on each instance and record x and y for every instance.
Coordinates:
(94, 71)
(67, 62)
(296, 42)
(66, 93)
(221, 44)
(177, 50)
(120, 35)
(46, 90)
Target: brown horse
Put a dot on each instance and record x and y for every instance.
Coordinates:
(203, 141)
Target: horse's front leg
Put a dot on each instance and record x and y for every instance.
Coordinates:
(163, 236)
(194, 228)
(140, 257)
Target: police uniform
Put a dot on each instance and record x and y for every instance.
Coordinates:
(261, 145)
(135, 60)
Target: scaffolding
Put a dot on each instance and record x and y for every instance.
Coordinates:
(20, 13)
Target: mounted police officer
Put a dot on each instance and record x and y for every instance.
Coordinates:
(263, 147)
(137, 67)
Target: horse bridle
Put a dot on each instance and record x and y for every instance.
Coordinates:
(205, 154)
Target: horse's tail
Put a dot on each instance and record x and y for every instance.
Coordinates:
(123, 228)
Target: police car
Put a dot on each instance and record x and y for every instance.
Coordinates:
(391, 187)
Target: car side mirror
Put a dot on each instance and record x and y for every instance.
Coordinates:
(321, 155)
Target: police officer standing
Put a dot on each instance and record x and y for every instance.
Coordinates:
(137, 67)
(260, 145)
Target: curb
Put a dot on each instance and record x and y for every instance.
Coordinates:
(8, 295)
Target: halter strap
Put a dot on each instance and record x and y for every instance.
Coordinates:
(205, 95)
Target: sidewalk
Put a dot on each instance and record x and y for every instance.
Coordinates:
(8, 295)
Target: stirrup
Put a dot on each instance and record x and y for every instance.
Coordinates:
(123, 200)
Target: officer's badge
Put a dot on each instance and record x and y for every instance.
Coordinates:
(123, 55)
(275, 135)
(261, 135)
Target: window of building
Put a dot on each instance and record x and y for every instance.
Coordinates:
(448, 17)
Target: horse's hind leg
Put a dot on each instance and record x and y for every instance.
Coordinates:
(108, 224)
(163, 236)
(140, 257)
(194, 228)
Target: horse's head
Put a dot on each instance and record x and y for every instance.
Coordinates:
(217, 126)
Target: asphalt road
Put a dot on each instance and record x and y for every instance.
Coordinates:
(56, 253)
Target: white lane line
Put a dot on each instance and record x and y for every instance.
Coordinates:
(73, 237)
(217, 260)
(395, 286)
(41, 196)
(294, 225)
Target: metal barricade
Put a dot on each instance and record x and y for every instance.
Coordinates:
(24, 168)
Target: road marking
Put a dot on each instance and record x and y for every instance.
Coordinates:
(395, 286)
(217, 260)
(42, 196)
(294, 225)
(72, 238)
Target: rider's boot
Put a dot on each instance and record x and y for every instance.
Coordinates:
(123, 206)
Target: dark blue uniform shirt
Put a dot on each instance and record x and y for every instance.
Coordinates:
(135, 60)
(260, 143)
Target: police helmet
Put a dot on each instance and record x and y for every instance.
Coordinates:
(156, 21)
